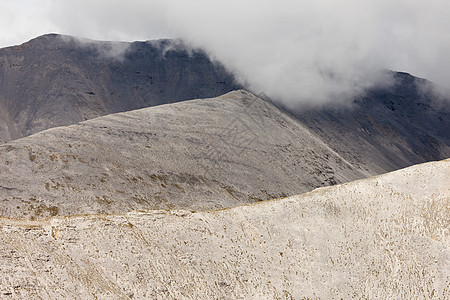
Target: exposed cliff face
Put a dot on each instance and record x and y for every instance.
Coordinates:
(57, 80)
(200, 154)
(387, 128)
(384, 237)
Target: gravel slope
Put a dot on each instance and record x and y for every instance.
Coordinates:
(384, 237)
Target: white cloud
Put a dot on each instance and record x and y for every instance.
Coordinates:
(310, 51)
(21, 20)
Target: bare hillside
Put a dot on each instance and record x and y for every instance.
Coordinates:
(56, 80)
(199, 154)
(384, 237)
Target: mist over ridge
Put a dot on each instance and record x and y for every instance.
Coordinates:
(294, 51)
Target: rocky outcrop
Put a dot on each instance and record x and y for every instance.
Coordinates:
(384, 237)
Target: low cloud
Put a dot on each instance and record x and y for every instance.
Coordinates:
(294, 51)
(105, 49)
(440, 94)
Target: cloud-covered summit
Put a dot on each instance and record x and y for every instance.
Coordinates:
(307, 51)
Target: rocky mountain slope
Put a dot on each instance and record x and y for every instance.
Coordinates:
(388, 127)
(384, 237)
(137, 204)
(199, 154)
(56, 80)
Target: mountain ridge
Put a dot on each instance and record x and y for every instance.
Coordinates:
(110, 190)
(58, 80)
(386, 128)
(236, 147)
(74, 79)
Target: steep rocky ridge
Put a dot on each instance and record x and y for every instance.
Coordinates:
(387, 128)
(56, 80)
(384, 237)
(199, 154)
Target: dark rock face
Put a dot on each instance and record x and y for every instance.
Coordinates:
(387, 128)
(56, 80)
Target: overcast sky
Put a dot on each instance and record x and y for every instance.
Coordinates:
(310, 51)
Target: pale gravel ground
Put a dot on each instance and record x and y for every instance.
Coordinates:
(195, 155)
(385, 237)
